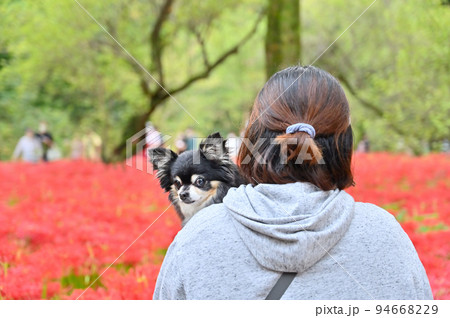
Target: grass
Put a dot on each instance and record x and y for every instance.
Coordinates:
(74, 281)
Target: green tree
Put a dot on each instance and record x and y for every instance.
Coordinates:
(58, 65)
(283, 35)
(157, 85)
(393, 63)
(66, 66)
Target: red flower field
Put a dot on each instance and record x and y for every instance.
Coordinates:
(62, 224)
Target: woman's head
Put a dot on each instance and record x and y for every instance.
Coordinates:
(299, 95)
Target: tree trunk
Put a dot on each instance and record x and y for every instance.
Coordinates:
(283, 45)
(135, 124)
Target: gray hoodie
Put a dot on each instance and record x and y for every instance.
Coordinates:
(341, 249)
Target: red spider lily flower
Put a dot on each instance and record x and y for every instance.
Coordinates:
(63, 223)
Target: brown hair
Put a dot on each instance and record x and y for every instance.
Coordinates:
(299, 95)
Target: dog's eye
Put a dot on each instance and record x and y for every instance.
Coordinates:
(177, 184)
(200, 182)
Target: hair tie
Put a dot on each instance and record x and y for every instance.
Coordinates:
(307, 128)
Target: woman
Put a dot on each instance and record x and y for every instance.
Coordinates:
(294, 215)
(28, 148)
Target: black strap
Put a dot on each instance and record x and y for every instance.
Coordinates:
(281, 286)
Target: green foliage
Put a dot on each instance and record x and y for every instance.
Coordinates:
(396, 57)
(74, 281)
(66, 70)
(57, 65)
(434, 228)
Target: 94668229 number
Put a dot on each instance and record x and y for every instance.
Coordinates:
(407, 309)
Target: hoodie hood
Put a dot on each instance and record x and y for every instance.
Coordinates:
(289, 227)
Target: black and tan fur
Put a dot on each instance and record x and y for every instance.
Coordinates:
(196, 179)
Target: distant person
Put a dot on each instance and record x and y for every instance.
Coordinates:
(189, 139)
(28, 148)
(153, 138)
(76, 147)
(54, 153)
(46, 139)
(180, 143)
(233, 144)
(363, 145)
(92, 146)
(446, 146)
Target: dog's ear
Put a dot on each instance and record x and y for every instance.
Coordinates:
(214, 148)
(162, 159)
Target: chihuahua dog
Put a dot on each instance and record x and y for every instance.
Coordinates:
(198, 178)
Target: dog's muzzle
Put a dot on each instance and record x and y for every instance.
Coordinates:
(184, 196)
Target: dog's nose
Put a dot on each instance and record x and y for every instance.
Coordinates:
(183, 196)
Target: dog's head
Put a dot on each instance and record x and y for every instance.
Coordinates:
(195, 179)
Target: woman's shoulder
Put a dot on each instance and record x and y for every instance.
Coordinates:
(376, 235)
(372, 219)
(372, 211)
(208, 221)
